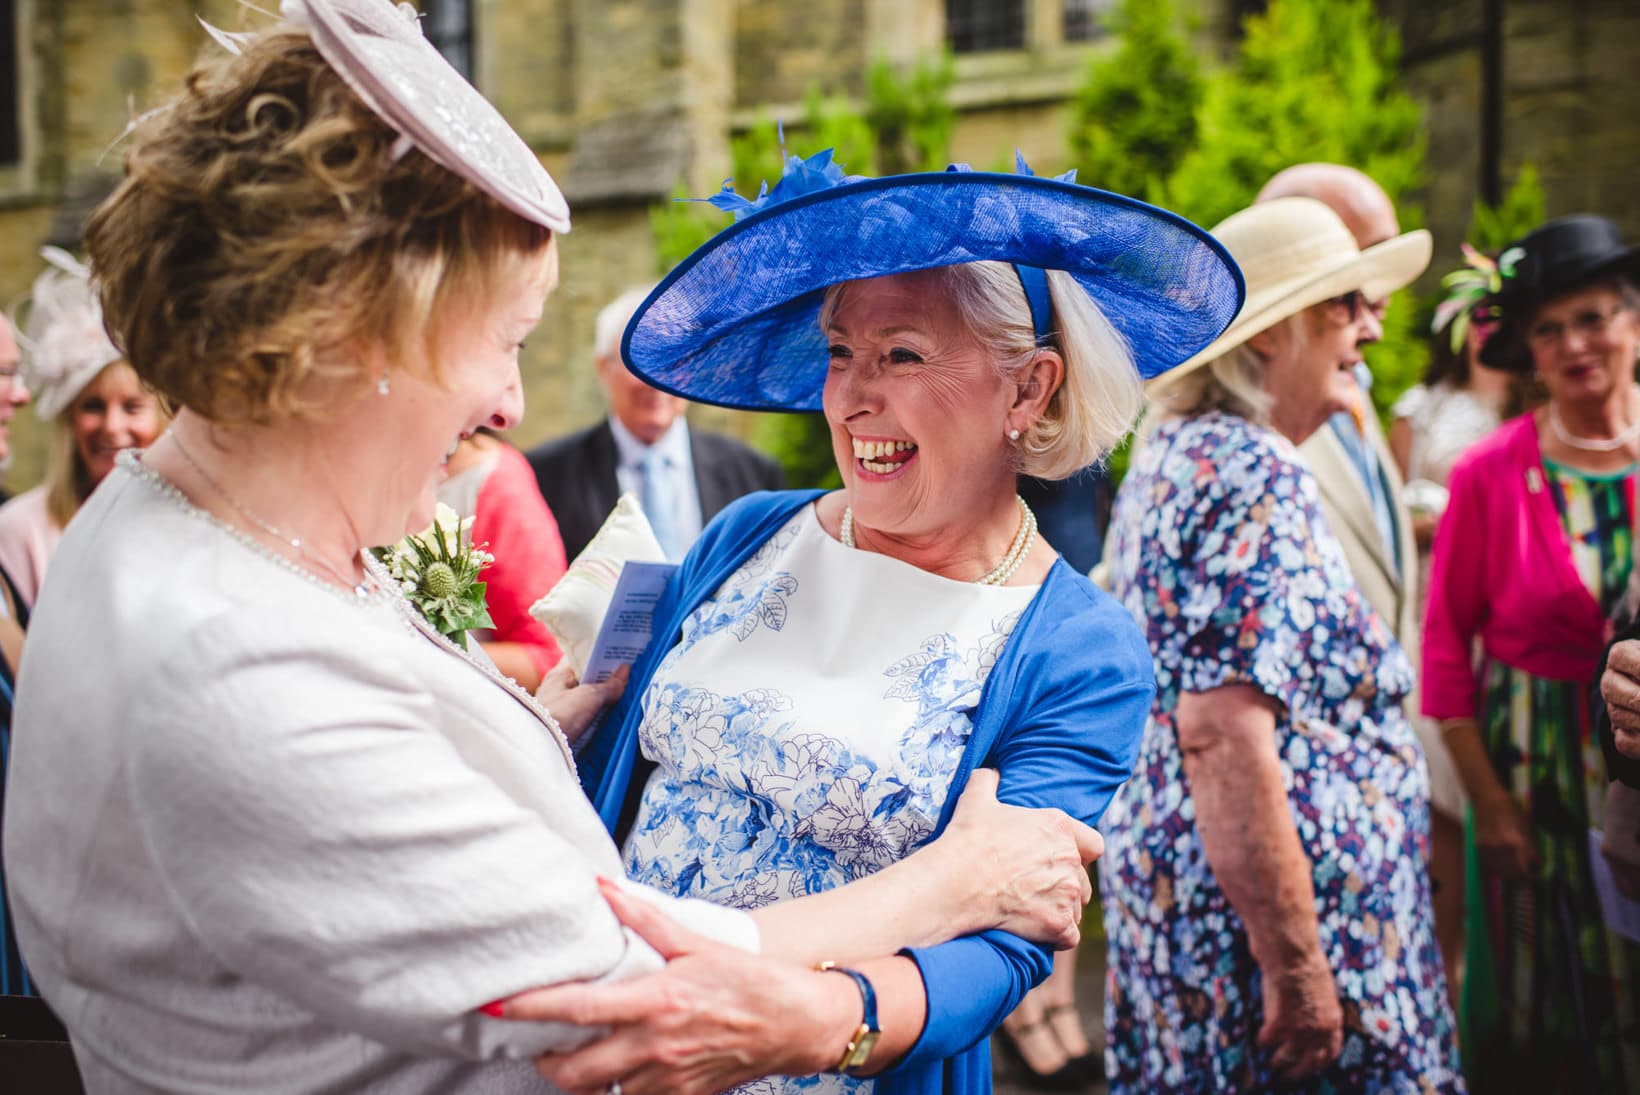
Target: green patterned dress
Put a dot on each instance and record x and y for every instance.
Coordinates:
(1550, 995)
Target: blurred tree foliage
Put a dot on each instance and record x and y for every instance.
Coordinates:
(1134, 117)
(903, 124)
(1494, 227)
(1310, 80)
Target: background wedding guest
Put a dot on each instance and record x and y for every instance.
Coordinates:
(683, 477)
(1531, 558)
(287, 836)
(97, 407)
(1267, 907)
(13, 390)
(1460, 401)
(491, 482)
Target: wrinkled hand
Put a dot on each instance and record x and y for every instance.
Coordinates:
(574, 704)
(1031, 863)
(1620, 687)
(1503, 838)
(715, 1017)
(1303, 1022)
(1620, 846)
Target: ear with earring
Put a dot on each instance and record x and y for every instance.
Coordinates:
(1013, 435)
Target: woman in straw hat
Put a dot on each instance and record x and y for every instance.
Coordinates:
(96, 403)
(1266, 901)
(1532, 557)
(288, 837)
(829, 668)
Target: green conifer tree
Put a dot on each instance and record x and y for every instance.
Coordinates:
(904, 124)
(1313, 80)
(1134, 116)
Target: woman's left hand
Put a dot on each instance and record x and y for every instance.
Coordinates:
(574, 703)
(713, 1018)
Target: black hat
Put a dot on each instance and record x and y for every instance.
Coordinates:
(1549, 261)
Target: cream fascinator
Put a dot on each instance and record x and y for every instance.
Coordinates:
(62, 337)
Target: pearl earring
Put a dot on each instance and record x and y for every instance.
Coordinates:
(383, 385)
(1013, 435)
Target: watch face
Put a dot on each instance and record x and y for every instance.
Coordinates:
(863, 1045)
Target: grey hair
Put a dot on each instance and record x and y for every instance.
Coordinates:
(613, 318)
(1100, 395)
(1233, 382)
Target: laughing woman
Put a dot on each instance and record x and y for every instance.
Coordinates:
(829, 668)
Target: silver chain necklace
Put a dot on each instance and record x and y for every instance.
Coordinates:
(1587, 444)
(1011, 562)
(360, 588)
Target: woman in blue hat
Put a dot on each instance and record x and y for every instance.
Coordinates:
(830, 668)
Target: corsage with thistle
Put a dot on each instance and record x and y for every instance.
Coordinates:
(438, 570)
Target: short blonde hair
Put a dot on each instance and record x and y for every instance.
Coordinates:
(265, 226)
(1100, 396)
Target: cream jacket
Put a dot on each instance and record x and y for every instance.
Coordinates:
(264, 835)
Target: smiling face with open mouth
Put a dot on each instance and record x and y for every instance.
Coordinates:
(918, 411)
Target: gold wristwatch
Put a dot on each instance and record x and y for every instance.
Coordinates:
(865, 1037)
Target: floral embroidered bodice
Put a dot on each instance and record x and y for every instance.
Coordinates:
(807, 725)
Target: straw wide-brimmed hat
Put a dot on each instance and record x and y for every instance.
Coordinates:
(737, 322)
(1295, 252)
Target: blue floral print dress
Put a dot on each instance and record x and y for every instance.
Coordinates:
(1222, 555)
(808, 724)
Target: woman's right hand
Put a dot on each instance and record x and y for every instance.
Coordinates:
(1026, 869)
(1303, 1021)
(574, 703)
(1502, 836)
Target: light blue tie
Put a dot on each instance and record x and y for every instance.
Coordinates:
(659, 505)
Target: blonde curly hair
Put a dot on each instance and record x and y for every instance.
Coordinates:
(265, 229)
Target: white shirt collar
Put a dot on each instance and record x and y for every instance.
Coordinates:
(674, 444)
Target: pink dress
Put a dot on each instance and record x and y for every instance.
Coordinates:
(28, 538)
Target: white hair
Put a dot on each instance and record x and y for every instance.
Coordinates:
(1101, 394)
(1234, 382)
(613, 318)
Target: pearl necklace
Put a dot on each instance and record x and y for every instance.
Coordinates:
(360, 588)
(1585, 444)
(1011, 562)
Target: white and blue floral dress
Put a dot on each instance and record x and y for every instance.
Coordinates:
(807, 726)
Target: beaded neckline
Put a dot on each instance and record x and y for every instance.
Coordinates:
(386, 592)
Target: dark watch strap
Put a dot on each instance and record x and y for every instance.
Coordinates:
(865, 1038)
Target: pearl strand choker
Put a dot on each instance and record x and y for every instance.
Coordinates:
(1011, 562)
(1587, 444)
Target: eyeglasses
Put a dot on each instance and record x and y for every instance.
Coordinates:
(1590, 324)
(1354, 302)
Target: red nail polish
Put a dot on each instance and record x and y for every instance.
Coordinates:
(495, 1009)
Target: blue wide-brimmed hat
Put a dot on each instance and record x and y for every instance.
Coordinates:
(737, 322)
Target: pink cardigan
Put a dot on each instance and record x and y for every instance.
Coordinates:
(1502, 570)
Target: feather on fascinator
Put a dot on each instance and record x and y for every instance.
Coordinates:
(62, 337)
(1467, 288)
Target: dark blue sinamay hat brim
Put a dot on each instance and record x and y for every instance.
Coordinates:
(736, 323)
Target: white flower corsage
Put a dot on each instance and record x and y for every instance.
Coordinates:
(438, 570)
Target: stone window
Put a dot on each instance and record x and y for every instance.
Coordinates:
(448, 24)
(975, 26)
(1084, 20)
(11, 90)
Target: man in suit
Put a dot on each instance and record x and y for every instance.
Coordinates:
(682, 477)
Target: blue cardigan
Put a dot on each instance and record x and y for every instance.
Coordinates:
(1060, 718)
